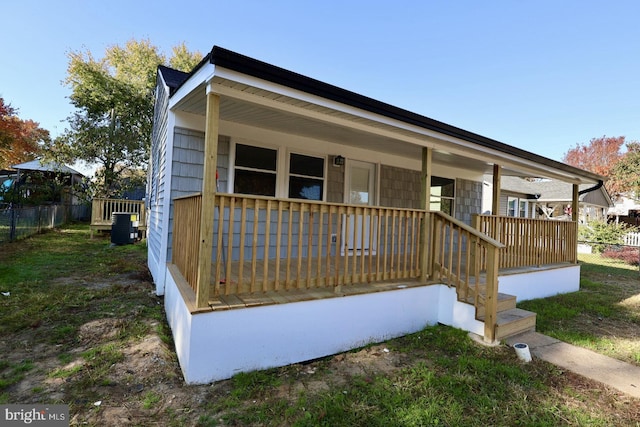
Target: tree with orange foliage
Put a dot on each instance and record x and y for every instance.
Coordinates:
(599, 156)
(20, 140)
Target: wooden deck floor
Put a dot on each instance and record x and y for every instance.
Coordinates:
(244, 300)
(228, 295)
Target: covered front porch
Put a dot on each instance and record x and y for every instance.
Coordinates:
(290, 293)
(270, 251)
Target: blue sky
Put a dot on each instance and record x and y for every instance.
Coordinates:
(541, 76)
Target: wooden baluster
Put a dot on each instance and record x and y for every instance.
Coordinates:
(267, 244)
(276, 284)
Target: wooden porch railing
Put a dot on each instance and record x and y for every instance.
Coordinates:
(455, 261)
(269, 245)
(102, 210)
(186, 235)
(531, 242)
(265, 244)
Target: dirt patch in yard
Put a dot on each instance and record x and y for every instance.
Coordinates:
(144, 385)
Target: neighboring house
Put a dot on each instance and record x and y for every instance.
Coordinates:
(47, 182)
(527, 197)
(290, 219)
(626, 208)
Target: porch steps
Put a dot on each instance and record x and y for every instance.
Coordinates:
(513, 322)
(505, 302)
(510, 320)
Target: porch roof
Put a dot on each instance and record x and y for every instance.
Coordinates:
(555, 191)
(257, 93)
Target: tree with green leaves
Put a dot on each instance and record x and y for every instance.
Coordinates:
(626, 172)
(113, 97)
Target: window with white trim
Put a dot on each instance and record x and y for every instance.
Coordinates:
(306, 177)
(442, 195)
(517, 207)
(256, 172)
(524, 208)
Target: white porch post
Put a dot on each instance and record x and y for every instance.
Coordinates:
(425, 262)
(208, 199)
(495, 202)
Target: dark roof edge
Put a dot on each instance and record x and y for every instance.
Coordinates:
(172, 78)
(262, 70)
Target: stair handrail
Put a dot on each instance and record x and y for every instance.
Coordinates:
(492, 255)
(470, 229)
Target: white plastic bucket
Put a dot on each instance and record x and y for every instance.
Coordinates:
(522, 351)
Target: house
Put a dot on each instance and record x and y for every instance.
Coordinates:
(626, 208)
(289, 219)
(527, 197)
(38, 182)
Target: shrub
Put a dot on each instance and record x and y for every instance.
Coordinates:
(601, 234)
(629, 254)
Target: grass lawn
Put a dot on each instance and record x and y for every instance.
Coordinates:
(603, 316)
(81, 325)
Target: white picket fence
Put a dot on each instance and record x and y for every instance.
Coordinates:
(632, 239)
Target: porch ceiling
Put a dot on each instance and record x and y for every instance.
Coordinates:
(244, 104)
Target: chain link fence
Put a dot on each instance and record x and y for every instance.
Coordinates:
(599, 252)
(18, 223)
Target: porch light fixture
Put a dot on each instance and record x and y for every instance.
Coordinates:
(338, 161)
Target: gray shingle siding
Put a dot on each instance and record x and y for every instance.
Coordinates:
(468, 200)
(399, 188)
(157, 170)
(224, 144)
(188, 167)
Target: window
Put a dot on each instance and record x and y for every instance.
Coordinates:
(517, 207)
(524, 207)
(442, 195)
(511, 206)
(306, 177)
(255, 170)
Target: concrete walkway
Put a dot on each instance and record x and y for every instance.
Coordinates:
(611, 372)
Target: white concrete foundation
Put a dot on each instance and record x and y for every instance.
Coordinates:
(541, 283)
(217, 345)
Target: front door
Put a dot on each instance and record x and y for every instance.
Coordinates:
(360, 189)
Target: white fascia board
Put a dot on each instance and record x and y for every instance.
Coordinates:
(424, 137)
(203, 75)
(164, 83)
